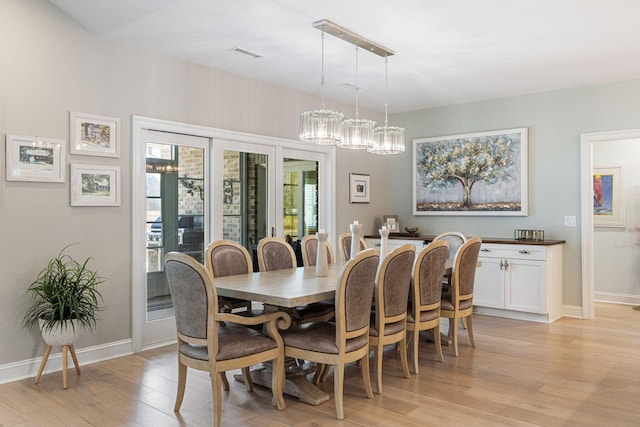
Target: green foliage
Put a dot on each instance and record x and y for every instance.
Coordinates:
(64, 290)
(466, 161)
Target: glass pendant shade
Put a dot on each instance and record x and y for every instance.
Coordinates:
(388, 140)
(357, 134)
(322, 127)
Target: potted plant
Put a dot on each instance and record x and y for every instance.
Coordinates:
(64, 299)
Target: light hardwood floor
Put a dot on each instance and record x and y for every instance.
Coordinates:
(569, 373)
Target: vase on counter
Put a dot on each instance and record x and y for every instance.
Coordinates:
(384, 243)
(322, 264)
(356, 230)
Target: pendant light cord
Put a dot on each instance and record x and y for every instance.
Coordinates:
(386, 93)
(322, 71)
(357, 113)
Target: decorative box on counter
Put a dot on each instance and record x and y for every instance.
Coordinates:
(536, 235)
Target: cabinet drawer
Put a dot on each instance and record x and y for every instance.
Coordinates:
(493, 250)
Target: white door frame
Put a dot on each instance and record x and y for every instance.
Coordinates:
(586, 203)
(138, 195)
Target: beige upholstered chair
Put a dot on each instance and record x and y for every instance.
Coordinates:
(217, 342)
(276, 254)
(457, 302)
(426, 290)
(455, 239)
(345, 340)
(344, 241)
(310, 251)
(228, 258)
(392, 295)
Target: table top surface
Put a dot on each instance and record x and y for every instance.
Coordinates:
(290, 287)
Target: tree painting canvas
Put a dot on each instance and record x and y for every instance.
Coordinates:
(481, 173)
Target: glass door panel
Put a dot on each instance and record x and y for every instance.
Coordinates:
(300, 198)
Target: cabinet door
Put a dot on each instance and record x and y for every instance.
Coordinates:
(525, 286)
(488, 289)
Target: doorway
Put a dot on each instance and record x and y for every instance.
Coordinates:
(587, 142)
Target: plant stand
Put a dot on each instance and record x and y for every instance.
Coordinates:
(47, 351)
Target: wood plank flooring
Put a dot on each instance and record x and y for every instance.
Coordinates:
(570, 373)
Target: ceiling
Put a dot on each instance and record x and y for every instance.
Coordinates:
(446, 52)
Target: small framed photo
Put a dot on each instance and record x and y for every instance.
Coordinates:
(359, 188)
(608, 196)
(391, 222)
(93, 135)
(95, 185)
(31, 158)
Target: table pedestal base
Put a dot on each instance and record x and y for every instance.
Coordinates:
(296, 383)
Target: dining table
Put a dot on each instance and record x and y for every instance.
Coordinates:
(287, 288)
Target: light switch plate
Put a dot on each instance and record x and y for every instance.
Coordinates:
(569, 221)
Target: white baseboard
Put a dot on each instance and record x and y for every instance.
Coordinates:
(571, 311)
(614, 298)
(29, 368)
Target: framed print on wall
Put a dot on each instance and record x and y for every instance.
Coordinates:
(31, 158)
(95, 185)
(94, 135)
(359, 188)
(482, 173)
(608, 196)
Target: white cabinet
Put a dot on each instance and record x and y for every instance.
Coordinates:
(394, 243)
(520, 281)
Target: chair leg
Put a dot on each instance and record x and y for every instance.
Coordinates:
(325, 373)
(464, 323)
(414, 339)
(403, 357)
(246, 373)
(366, 376)
(320, 367)
(216, 392)
(436, 340)
(453, 334)
(182, 382)
(225, 382)
(338, 387)
(470, 329)
(277, 383)
(378, 367)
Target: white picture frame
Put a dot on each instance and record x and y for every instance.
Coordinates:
(31, 158)
(94, 135)
(95, 185)
(608, 196)
(359, 188)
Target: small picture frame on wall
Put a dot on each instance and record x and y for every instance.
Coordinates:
(359, 188)
(608, 196)
(93, 135)
(31, 158)
(95, 185)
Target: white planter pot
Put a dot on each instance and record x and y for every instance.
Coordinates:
(64, 333)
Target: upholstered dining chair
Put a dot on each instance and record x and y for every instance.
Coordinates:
(455, 239)
(310, 251)
(344, 241)
(276, 254)
(217, 342)
(426, 290)
(345, 340)
(228, 258)
(457, 302)
(391, 300)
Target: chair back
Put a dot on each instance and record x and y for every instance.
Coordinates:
(353, 297)
(464, 270)
(344, 241)
(392, 289)
(275, 253)
(194, 299)
(427, 277)
(455, 239)
(310, 251)
(228, 258)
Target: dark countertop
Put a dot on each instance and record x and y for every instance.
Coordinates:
(428, 238)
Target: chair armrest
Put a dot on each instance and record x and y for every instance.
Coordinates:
(279, 319)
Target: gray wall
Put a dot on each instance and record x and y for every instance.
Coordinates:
(50, 66)
(555, 121)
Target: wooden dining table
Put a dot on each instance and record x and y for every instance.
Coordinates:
(287, 288)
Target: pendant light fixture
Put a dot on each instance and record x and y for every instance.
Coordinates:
(357, 133)
(321, 126)
(387, 139)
